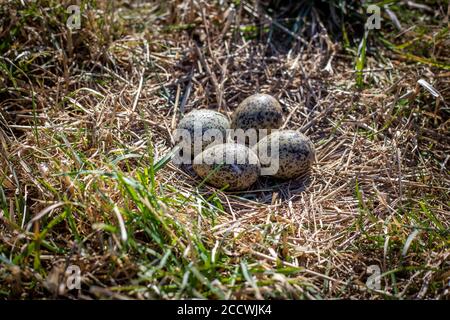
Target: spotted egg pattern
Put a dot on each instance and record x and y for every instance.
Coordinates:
(295, 153)
(229, 164)
(259, 111)
(204, 119)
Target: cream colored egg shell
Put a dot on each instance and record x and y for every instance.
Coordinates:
(238, 176)
(296, 153)
(259, 111)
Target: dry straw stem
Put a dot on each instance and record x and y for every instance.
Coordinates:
(84, 181)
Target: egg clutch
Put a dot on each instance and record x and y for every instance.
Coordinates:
(234, 155)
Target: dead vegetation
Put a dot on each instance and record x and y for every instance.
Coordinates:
(85, 124)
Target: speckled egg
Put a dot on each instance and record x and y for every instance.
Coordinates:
(295, 157)
(259, 111)
(229, 164)
(204, 119)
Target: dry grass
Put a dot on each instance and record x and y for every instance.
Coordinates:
(86, 120)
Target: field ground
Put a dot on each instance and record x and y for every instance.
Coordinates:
(85, 125)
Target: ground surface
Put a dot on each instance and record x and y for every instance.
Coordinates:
(85, 124)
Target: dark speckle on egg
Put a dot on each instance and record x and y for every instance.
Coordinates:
(205, 120)
(229, 164)
(295, 153)
(259, 111)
